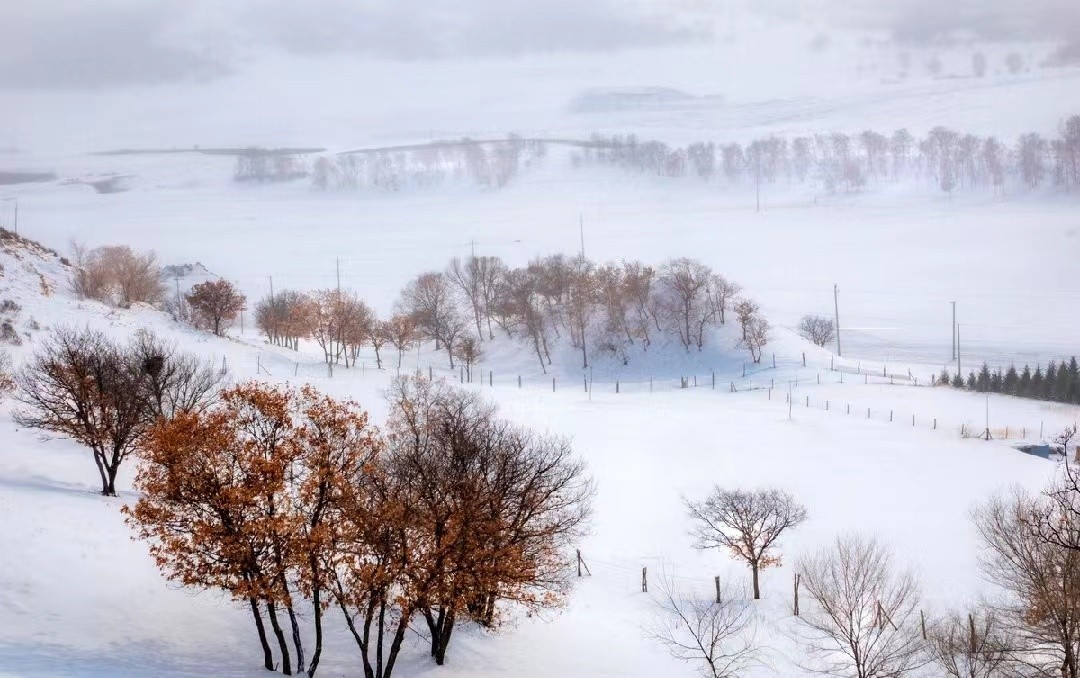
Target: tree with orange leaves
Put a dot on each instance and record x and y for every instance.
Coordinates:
(238, 498)
(747, 523)
(215, 305)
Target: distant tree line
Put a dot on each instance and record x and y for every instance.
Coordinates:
(483, 163)
(944, 158)
(1060, 382)
(614, 309)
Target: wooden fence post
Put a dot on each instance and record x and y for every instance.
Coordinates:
(491, 378)
(644, 580)
(430, 374)
(296, 369)
(553, 385)
(616, 385)
(519, 381)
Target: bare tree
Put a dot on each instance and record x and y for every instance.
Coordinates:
(170, 381)
(865, 620)
(1065, 437)
(972, 645)
(117, 275)
(466, 277)
(401, 332)
(817, 329)
(714, 635)
(468, 351)
(683, 288)
(104, 395)
(427, 299)
(745, 309)
(756, 336)
(748, 523)
(1032, 551)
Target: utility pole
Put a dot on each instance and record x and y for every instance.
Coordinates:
(581, 228)
(959, 369)
(337, 264)
(954, 330)
(15, 226)
(271, 288)
(836, 305)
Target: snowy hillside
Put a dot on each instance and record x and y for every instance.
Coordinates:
(79, 596)
(223, 175)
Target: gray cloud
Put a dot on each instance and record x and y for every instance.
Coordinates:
(441, 28)
(102, 43)
(54, 44)
(927, 21)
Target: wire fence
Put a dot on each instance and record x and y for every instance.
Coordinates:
(781, 380)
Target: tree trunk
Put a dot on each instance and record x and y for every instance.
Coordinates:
(98, 460)
(111, 471)
(757, 588)
(444, 638)
(297, 642)
(286, 665)
(268, 655)
(316, 601)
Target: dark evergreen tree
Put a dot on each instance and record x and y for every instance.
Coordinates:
(996, 381)
(1060, 392)
(972, 382)
(1023, 385)
(1036, 383)
(1047, 391)
(1009, 381)
(982, 382)
(957, 381)
(1074, 381)
(943, 378)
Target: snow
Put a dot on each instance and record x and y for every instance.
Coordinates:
(78, 597)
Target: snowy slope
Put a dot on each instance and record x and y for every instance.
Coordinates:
(78, 597)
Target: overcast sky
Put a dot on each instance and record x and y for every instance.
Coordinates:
(102, 43)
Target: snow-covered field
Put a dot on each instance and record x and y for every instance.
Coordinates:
(78, 597)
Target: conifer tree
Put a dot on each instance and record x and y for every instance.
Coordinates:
(957, 381)
(1035, 390)
(982, 382)
(972, 381)
(1010, 381)
(1023, 385)
(1047, 392)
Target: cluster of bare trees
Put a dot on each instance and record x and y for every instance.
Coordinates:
(337, 320)
(105, 395)
(612, 309)
(116, 275)
(288, 499)
(863, 616)
(484, 163)
(945, 158)
(817, 329)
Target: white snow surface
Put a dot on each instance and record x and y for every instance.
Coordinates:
(79, 597)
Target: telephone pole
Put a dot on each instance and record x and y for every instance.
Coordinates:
(954, 330)
(836, 305)
(337, 265)
(959, 371)
(271, 288)
(581, 228)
